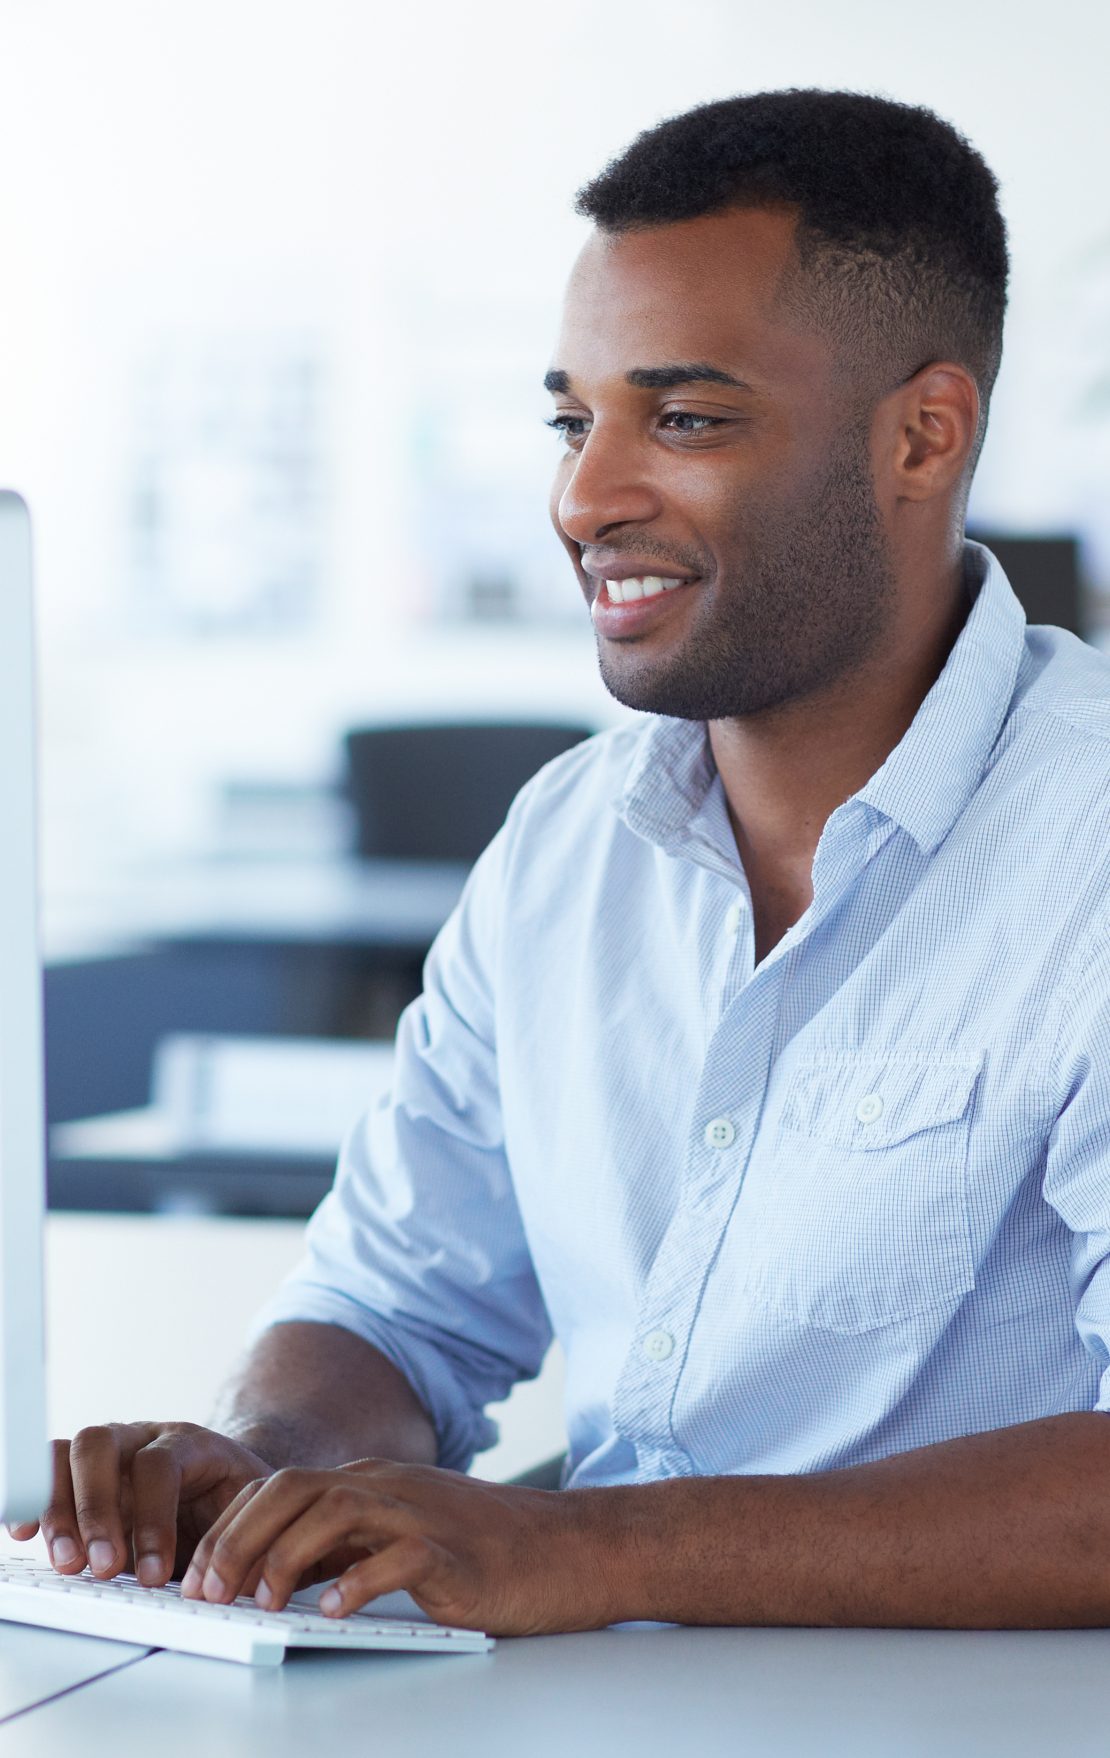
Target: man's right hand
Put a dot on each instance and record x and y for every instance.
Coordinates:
(139, 1496)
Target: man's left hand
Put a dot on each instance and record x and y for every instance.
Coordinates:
(480, 1555)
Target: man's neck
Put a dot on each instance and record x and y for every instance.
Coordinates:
(786, 772)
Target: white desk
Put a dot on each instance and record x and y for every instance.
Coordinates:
(652, 1692)
(36, 1665)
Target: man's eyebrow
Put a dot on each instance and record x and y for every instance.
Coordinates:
(686, 372)
(658, 378)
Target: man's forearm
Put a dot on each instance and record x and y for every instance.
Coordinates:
(314, 1394)
(1003, 1530)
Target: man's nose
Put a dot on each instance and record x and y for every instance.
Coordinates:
(606, 487)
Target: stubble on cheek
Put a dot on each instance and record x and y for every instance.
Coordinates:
(802, 596)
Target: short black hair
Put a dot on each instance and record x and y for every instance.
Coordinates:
(899, 232)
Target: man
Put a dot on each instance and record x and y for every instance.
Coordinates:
(764, 1060)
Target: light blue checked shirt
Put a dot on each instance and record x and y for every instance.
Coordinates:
(785, 1217)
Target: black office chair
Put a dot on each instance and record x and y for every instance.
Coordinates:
(1046, 575)
(431, 792)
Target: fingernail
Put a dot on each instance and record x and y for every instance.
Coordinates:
(101, 1555)
(63, 1551)
(331, 1601)
(190, 1581)
(149, 1570)
(263, 1596)
(213, 1586)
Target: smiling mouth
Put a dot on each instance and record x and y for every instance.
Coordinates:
(635, 613)
(641, 586)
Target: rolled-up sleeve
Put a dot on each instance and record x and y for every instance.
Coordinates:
(419, 1247)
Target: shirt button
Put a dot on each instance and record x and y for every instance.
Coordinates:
(719, 1133)
(658, 1345)
(734, 916)
(869, 1108)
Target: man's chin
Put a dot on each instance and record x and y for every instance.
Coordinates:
(641, 688)
(651, 690)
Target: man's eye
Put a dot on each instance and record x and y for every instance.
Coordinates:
(687, 422)
(572, 427)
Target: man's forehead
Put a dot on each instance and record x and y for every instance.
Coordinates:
(693, 280)
(699, 290)
(740, 250)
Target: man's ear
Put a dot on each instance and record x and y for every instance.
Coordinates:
(927, 430)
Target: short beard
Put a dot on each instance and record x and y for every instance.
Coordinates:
(807, 608)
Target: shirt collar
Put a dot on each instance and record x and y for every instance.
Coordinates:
(930, 775)
(935, 768)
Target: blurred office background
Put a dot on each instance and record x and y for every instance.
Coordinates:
(279, 283)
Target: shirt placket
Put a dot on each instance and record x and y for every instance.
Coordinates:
(724, 1125)
(725, 1121)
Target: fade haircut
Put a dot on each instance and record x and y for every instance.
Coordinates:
(901, 244)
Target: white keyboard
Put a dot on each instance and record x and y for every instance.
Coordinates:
(158, 1617)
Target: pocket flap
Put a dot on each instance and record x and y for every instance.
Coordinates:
(873, 1102)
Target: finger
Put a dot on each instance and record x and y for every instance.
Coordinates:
(410, 1564)
(59, 1517)
(277, 1517)
(203, 1579)
(97, 1459)
(155, 1493)
(344, 1514)
(22, 1530)
(250, 1535)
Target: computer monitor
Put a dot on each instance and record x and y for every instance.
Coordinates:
(23, 1456)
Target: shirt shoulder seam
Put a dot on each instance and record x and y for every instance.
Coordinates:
(1055, 711)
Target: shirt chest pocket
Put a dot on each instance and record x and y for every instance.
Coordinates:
(860, 1217)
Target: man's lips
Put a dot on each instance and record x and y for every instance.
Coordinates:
(616, 620)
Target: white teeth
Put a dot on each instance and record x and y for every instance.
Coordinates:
(648, 586)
